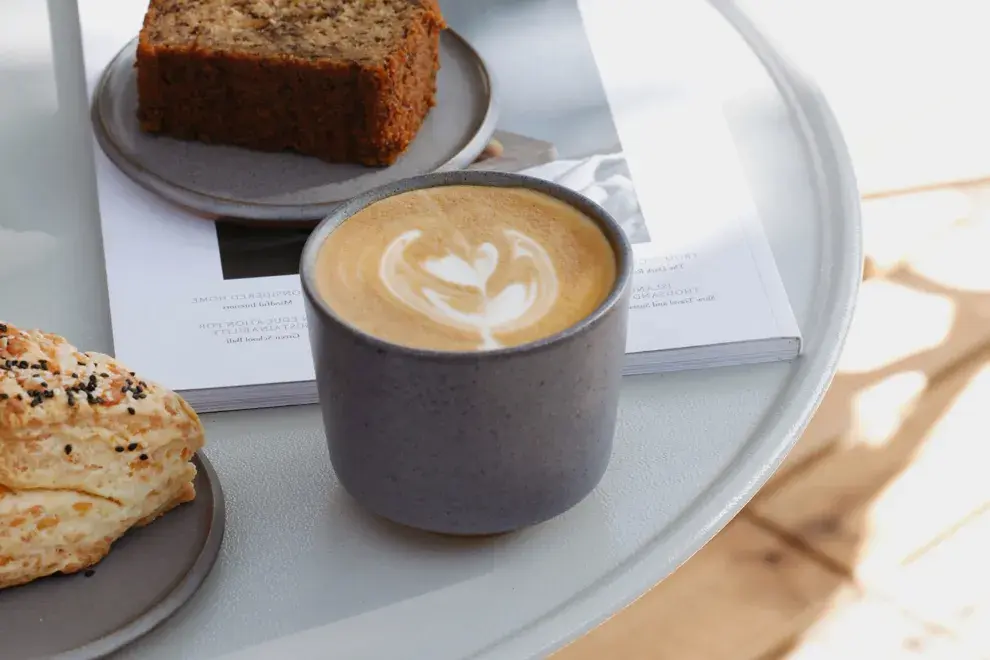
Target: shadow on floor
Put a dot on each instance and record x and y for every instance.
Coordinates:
(852, 508)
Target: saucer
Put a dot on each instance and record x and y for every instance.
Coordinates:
(149, 574)
(252, 185)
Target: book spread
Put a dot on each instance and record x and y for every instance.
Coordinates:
(213, 306)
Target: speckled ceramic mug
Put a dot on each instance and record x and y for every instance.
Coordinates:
(470, 443)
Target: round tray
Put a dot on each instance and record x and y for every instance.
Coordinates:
(149, 574)
(252, 185)
(693, 446)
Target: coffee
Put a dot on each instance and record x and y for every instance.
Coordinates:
(465, 268)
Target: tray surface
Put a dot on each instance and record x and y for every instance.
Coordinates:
(692, 448)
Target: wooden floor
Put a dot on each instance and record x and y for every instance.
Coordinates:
(872, 541)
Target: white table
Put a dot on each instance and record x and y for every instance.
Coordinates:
(303, 573)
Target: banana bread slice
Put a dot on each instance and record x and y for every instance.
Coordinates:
(346, 81)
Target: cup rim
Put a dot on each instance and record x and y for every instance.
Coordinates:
(617, 238)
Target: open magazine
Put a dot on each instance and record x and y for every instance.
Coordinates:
(213, 306)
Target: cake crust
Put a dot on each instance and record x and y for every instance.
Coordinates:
(346, 81)
(88, 450)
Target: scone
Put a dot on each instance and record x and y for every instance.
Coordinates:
(88, 450)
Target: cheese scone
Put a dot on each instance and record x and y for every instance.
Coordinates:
(88, 450)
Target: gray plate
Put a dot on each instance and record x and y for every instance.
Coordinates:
(230, 181)
(148, 575)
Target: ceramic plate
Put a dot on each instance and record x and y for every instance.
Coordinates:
(148, 575)
(230, 181)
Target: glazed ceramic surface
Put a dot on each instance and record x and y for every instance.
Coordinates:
(470, 443)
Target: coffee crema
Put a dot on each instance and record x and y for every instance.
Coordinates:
(465, 268)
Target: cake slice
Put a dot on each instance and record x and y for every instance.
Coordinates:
(346, 81)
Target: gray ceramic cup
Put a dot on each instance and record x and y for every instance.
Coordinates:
(470, 443)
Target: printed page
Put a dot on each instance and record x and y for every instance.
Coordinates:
(705, 273)
(201, 303)
(181, 311)
(709, 276)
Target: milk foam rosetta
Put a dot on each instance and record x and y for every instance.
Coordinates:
(465, 268)
(457, 292)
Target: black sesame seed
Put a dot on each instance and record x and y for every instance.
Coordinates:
(44, 384)
(131, 372)
(19, 397)
(131, 411)
(90, 573)
(132, 446)
(49, 394)
(119, 449)
(81, 364)
(3, 329)
(43, 363)
(92, 378)
(35, 403)
(22, 364)
(90, 399)
(72, 400)
(143, 457)
(74, 374)
(36, 366)
(68, 449)
(104, 375)
(4, 397)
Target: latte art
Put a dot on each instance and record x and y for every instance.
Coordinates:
(466, 268)
(459, 293)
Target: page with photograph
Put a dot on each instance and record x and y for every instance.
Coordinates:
(206, 300)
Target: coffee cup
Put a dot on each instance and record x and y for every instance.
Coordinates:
(468, 331)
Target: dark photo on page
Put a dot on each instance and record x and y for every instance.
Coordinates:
(248, 251)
